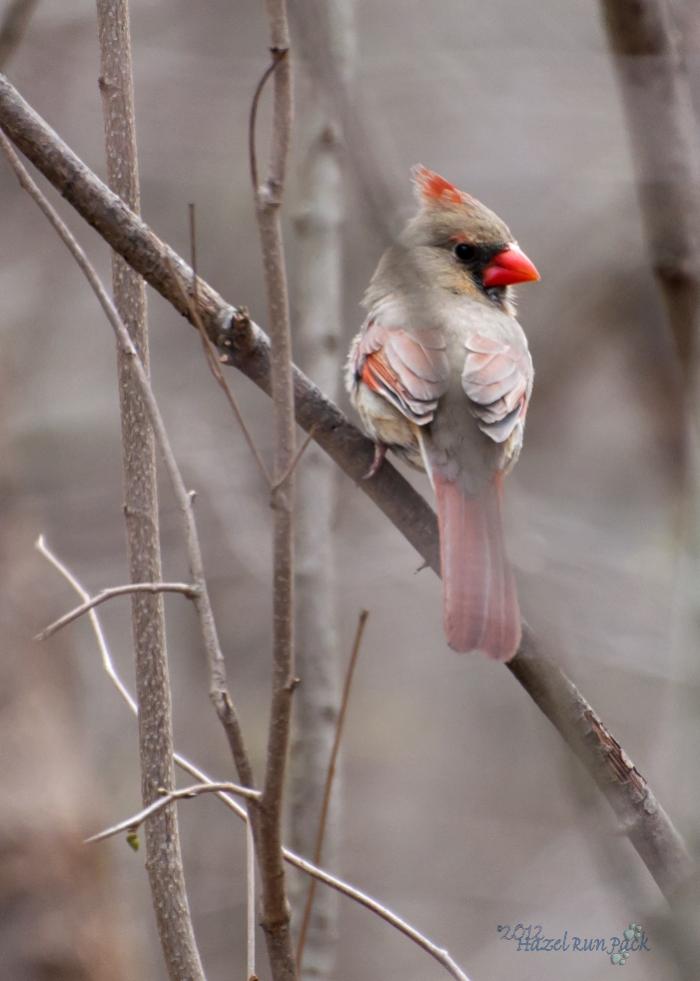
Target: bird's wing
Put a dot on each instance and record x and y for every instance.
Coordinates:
(497, 379)
(408, 368)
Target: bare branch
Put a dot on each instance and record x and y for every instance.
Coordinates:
(396, 498)
(330, 774)
(107, 662)
(267, 821)
(185, 793)
(13, 27)
(640, 815)
(164, 863)
(251, 912)
(438, 953)
(277, 57)
(107, 594)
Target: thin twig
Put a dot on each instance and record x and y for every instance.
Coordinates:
(217, 668)
(438, 953)
(251, 912)
(134, 822)
(107, 662)
(277, 57)
(295, 461)
(13, 27)
(344, 888)
(215, 368)
(211, 352)
(330, 774)
(107, 594)
(249, 351)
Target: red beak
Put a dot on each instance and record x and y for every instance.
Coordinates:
(509, 267)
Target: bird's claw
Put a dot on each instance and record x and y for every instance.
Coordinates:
(379, 454)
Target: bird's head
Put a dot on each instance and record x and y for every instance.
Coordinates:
(469, 249)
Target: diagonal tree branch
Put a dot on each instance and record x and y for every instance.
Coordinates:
(641, 817)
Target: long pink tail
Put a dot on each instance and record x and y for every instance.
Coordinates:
(480, 603)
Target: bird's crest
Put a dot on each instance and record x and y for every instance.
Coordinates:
(432, 189)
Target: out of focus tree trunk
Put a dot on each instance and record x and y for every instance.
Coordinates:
(14, 21)
(318, 226)
(656, 92)
(651, 42)
(688, 19)
(688, 16)
(318, 666)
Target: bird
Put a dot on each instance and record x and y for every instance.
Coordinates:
(440, 373)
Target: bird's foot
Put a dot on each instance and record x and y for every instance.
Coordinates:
(379, 454)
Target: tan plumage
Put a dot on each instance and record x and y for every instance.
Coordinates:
(440, 372)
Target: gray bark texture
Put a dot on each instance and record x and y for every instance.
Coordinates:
(267, 821)
(163, 853)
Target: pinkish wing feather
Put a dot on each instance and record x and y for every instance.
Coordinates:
(496, 378)
(409, 369)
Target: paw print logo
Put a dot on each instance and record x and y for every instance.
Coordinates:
(633, 934)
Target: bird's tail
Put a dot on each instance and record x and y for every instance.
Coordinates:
(480, 603)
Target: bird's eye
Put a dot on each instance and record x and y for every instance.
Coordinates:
(465, 252)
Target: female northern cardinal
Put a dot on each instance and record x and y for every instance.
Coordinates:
(440, 373)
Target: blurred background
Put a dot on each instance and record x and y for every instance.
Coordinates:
(462, 809)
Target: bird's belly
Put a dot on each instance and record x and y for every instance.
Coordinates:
(385, 424)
